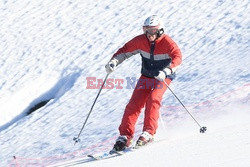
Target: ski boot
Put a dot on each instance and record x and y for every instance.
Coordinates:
(144, 139)
(121, 143)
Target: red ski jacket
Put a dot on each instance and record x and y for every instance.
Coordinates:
(158, 55)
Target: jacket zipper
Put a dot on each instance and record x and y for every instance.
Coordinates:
(152, 48)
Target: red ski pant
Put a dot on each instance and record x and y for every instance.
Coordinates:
(147, 93)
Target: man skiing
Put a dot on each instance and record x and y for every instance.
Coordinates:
(160, 58)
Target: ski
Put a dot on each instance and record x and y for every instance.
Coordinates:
(87, 159)
(113, 153)
(101, 156)
(109, 154)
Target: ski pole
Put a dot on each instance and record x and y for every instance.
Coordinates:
(76, 139)
(202, 129)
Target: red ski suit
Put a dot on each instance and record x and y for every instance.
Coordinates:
(158, 55)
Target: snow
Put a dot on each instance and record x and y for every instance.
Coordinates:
(49, 49)
(221, 148)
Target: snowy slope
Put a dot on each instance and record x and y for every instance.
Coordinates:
(222, 146)
(49, 48)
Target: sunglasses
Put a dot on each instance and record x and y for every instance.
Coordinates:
(150, 30)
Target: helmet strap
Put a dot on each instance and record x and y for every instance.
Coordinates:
(160, 32)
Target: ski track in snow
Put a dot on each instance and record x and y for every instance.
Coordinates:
(48, 48)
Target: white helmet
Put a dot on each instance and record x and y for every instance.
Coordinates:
(153, 22)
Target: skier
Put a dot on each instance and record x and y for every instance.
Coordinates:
(160, 58)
